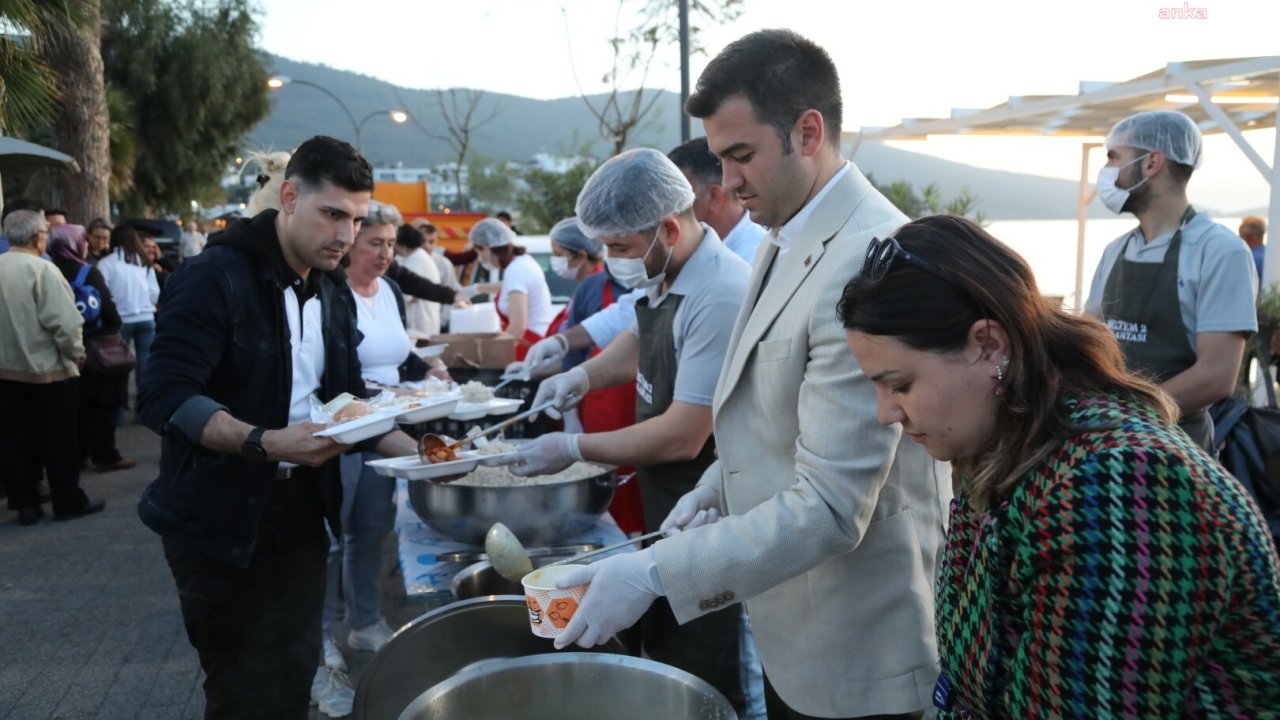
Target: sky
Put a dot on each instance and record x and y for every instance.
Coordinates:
(896, 59)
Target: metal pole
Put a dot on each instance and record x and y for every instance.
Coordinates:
(685, 121)
(354, 126)
(1082, 215)
(1271, 256)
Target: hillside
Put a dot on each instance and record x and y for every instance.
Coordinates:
(522, 127)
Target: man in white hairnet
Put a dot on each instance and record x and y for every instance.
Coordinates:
(640, 206)
(1178, 290)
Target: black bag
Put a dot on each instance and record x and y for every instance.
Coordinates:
(1248, 439)
(108, 355)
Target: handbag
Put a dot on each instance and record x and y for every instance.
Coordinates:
(108, 354)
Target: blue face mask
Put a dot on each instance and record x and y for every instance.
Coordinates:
(632, 271)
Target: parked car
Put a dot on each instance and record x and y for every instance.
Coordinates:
(166, 232)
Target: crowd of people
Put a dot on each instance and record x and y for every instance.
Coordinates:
(55, 334)
(929, 485)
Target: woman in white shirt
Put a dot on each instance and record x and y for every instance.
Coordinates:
(135, 290)
(421, 316)
(524, 300)
(368, 512)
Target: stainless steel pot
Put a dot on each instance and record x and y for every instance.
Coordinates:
(438, 644)
(537, 514)
(571, 686)
(481, 579)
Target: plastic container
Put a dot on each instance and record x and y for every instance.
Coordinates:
(551, 608)
(479, 318)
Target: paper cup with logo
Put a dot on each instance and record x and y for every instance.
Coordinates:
(551, 608)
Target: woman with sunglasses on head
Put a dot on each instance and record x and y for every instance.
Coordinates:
(1098, 564)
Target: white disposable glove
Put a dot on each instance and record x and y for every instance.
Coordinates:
(699, 506)
(544, 357)
(573, 421)
(623, 586)
(466, 292)
(547, 455)
(566, 390)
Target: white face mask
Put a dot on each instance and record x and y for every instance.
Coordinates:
(1114, 197)
(487, 264)
(560, 266)
(632, 272)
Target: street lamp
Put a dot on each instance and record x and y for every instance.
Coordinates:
(398, 117)
(275, 82)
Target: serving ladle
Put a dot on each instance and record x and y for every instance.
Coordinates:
(435, 449)
(506, 553)
(509, 558)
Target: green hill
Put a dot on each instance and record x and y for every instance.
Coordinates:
(524, 126)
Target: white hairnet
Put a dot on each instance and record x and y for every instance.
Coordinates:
(569, 236)
(1172, 133)
(491, 233)
(630, 193)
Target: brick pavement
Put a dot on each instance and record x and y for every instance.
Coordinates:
(89, 619)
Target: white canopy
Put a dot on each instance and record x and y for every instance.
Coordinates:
(1227, 96)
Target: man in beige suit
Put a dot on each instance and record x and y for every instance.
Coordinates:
(831, 525)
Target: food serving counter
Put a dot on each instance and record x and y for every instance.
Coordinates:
(427, 578)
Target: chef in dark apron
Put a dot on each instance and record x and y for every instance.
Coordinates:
(1140, 304)
(640, 206)
(1183, 320)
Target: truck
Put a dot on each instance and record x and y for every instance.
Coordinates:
(413, 200)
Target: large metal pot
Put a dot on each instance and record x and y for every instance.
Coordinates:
(480, 579)
(537, 514)
(438, 644)
(571, 686)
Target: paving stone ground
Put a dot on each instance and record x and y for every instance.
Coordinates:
(89, 619)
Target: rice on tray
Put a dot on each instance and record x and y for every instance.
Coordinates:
(500, 477)
(476, 393)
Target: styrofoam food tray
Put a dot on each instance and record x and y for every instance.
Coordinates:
(353, 431)
(411, 468)
(496, 406)
(431, 408)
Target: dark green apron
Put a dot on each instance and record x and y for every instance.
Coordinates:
(662, 485)
(1140, 304)
(707, 646)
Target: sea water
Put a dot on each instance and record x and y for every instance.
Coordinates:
(1049, 247)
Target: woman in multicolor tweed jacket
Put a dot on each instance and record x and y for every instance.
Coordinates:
(1098, 563)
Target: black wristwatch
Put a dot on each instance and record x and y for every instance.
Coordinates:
(252, 449)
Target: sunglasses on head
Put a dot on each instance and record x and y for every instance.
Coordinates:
(882, 254)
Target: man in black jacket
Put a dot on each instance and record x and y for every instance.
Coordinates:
(246, 333)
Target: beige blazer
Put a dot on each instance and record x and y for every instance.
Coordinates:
(833, 526)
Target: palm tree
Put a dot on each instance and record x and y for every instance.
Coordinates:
(28, 86)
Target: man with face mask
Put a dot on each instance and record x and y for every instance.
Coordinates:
(640, 206)
(1178, 290)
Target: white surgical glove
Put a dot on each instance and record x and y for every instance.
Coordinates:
(545, 356)
(466, 292)
(623, 586)
(546, 455)
(702, 500)
(566, 390)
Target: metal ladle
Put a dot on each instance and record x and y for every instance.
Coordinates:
(506, 553)
(436, 449)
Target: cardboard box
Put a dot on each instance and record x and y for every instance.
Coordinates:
(477, 350)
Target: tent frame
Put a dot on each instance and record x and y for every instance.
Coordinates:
(1228, 96)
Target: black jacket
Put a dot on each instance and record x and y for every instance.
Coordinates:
(222, 343)
(411, 283)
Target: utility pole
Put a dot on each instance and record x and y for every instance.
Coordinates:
(684, 71)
